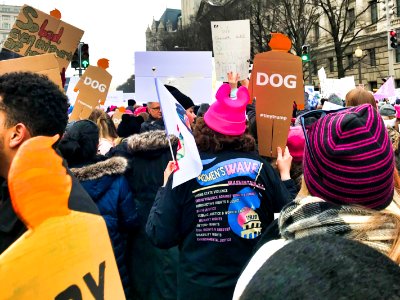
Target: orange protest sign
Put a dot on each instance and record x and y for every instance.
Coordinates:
(35, 32)
(93, 89)
(276, 81)
(45, 64)
(58, 257)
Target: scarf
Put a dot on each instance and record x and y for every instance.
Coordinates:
(312, 215)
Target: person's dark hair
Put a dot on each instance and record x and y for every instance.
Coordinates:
(131, 102)
(208, 140)
(35, 101)
(335, 267)
(79, 143)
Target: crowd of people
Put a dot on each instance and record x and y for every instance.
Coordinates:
(335, 187)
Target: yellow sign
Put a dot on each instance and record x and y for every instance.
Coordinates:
(64, 254)
(35, 32)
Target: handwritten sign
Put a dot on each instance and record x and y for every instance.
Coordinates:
(35, 32)
(231, 46)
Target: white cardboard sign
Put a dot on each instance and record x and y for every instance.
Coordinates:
(189, 71)
(231, 46)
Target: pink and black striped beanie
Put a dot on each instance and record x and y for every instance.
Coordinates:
(352, 159)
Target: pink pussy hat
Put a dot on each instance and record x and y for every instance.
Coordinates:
(397, 108)
(228, 115)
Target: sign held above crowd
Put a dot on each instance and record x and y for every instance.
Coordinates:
(276, 82)
(35, 32)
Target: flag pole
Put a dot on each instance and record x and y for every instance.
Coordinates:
(166, 131)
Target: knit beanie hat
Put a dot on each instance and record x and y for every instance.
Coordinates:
(129, 125)
(183, 100)
(228, 115)
(338, 268)
(335, 100)
(352, 159)
(397, 108)
(387, 110)
(79, 143)
(295, 143)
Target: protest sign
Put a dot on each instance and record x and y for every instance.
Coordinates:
(93, 89)
(188, 71)
(231, 48)
(35, 32)
(45, 64)
(58, 256)
(276, 82)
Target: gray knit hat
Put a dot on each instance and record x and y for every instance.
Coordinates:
(387, 110)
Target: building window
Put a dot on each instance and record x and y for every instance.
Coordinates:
(398, 8)
(6, 18)
(374, 11)
(351, 19)
(373, 85)
(6, 26)
(372, 57)
(316, 32)
(314, 68)
(331, 65)
(350, 61)
(397, 83)
(398, 54)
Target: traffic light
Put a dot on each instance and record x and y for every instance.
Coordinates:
(75, 60)
(84, 56)
(393, 39)
(305, 53)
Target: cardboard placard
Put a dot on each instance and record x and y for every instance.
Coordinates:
(188, 71)
(231, 47)
(58, 257)
(35, 32)
(276, 81)
(45, 64)
(117, 117)
(93, 89)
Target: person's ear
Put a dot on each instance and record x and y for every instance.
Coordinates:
(18, 134)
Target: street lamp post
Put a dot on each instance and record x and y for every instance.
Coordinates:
(359, 53)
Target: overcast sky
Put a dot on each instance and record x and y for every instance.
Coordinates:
(114, 30)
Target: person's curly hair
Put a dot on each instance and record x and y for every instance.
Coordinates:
(208, 140)
(35, 101)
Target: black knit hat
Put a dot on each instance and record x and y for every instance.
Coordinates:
(183, 100)
(325, 267)
(129, 125)
(79, 143)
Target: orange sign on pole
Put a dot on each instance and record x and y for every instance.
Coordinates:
(276, 81)
(93, 89)
(58, 257)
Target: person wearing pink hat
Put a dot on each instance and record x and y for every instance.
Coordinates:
(218, 217)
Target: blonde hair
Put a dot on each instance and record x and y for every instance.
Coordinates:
(387, 219)
(105, 124)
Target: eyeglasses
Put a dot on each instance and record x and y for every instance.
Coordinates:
(309, 118)
(156, 108)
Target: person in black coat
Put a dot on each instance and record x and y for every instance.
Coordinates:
(153, 271)
(105, 182)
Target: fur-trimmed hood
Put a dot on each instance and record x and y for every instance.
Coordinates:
(113, 166)
(149, 141)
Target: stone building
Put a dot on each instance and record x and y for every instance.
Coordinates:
(8, 15)
(373, 41)
(168, 24)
